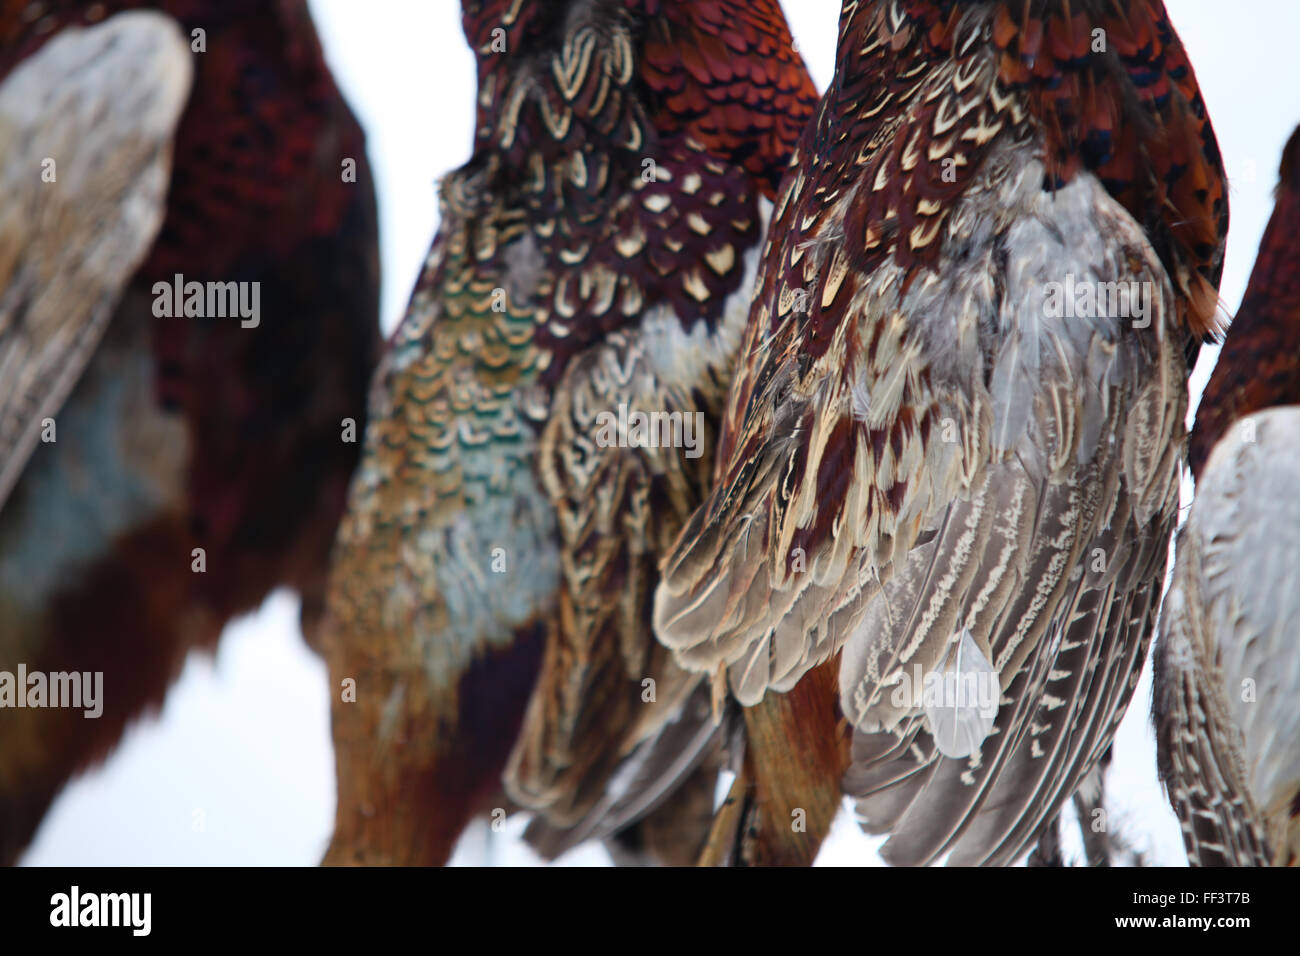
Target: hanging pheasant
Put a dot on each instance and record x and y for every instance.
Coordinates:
(188, 318)
(593, 269)
(949, 467)
(1226, 672)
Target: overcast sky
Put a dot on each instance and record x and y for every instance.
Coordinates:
(238, 769)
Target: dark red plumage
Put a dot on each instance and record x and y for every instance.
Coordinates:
(1259, 365)
(257, 195)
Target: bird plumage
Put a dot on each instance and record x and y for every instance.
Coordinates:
(593, 260)
(1259, 364)
(922, 446)
(190, 464)
(1226, 673)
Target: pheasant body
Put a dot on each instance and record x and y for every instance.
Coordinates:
(926, 450)
(1225, 666)
(592, 257)
(200, 462)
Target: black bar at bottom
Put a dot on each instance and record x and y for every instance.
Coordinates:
(639, 907)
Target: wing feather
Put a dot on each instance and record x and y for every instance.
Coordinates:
(611, 727)
(86, 126)
(1225, 671)
(969, 502)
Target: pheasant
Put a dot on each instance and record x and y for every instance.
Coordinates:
(1226, 674)
(167, 456)
(542, 426)
(949, 466)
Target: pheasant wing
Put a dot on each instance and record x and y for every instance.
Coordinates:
(86, 125)
(945, 471)
(1224, 671)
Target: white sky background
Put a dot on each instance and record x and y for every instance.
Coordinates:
(239, 767)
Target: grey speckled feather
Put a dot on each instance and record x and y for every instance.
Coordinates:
(1227, 675)
(1052, 560)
